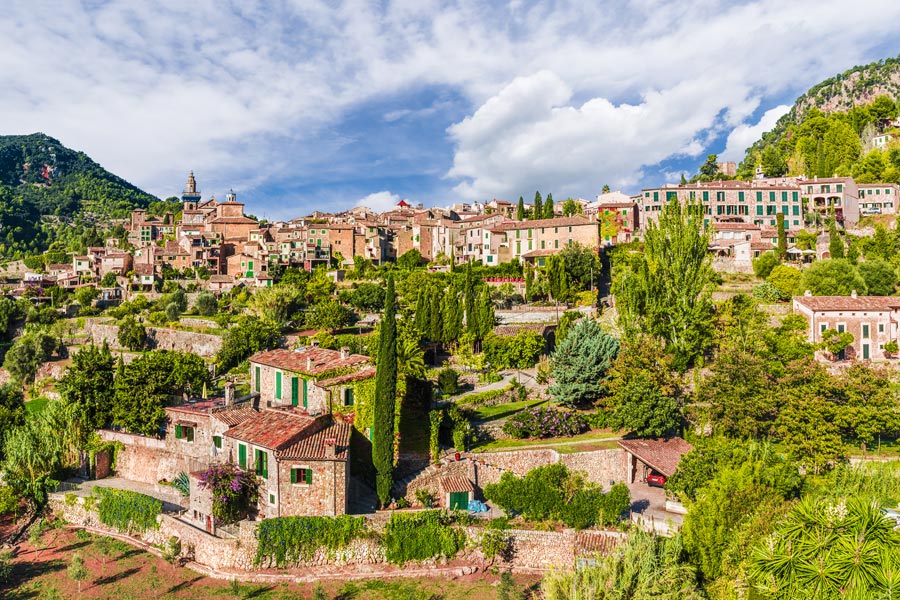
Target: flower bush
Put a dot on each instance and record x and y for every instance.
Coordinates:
(544, 423)
(234, 492)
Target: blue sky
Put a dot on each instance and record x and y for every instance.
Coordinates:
(303, 105)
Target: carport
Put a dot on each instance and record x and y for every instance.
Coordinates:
(660, 455)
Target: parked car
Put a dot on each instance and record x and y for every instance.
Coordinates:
(655, 479)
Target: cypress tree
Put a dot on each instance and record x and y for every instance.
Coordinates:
(451, 317)
(421, 320)
(538, 208)
(385, 396)
(529, 283)
(469, 291)
(548, 207)
(835, 243)
(782, 237)
(434, 324)
(485, 313)
(520, 210)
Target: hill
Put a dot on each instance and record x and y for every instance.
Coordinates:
(51, 193)
(858, 103)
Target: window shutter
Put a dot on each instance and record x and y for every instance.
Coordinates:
(293, 475)
(178, 432)
(308, 476)
(190, 433)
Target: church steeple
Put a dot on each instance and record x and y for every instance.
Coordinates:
(191, 195)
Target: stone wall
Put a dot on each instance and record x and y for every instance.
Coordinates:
(146, 459)
(203, 344)
(530, 550)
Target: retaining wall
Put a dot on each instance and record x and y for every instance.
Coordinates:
(158, 338)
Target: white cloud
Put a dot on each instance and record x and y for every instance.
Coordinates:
(379, 201)
(743, 136)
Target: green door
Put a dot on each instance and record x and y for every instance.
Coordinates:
(304, 393)
(295, 396)
(459, 500)
(242, 456)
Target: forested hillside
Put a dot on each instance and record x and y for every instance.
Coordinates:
(51, 193)
(830, 130)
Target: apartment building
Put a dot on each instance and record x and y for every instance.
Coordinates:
(533, 241)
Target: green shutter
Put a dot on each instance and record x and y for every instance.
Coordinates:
(257, 379)
(348, 400)
(293, 475)
(304, 392)
(178, 432)
(278, 385)
(295, 391)
(217, 441)
(242, 456)
(190, 433)
(308, 476)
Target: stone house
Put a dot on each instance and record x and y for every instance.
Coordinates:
(312, 378)
(534, 239)
(301, 460)
(871, 320)
(878, 198)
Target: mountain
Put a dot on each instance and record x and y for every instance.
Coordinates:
(46, 188)
(863, 99)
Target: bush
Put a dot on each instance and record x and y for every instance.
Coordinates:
(421, 536)
(767, 292)
(552, 492)
(206, 304)
(284, 541)
(544, 423)
(132, 335)
(424, 498)
(126, 511)
(448, 381)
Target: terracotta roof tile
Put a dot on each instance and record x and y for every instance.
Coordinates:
(314, 446)
(272, 428)
(848, 303)
(661, 455)
(595, 542)
(558, 222)
(456, 483)
(236, 415)
(310, 360)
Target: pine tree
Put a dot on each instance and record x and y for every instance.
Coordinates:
(520, 210)
(385, 396)
(782, 237)
(548, 207)
(435, 328)
(537, 210)
(580, 364)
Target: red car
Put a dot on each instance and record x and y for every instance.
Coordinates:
(656, 480)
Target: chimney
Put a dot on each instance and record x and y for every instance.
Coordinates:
(314, 343)
(330, 447)
(309, 363)
(853, 294)
(345, 352)
(807, 293)
(229, 393)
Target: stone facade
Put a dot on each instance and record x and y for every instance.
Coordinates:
(873, 321)
(325, 495)
(148, 460)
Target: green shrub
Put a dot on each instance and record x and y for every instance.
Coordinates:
(436, 418)
(422, 536)
(127, 511)
(448, 381)
(285, 541)
(424, 498)
(545, 422)
(481, 398)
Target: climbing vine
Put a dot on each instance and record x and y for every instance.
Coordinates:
(126, 511)
(421, 536)
(284, 541)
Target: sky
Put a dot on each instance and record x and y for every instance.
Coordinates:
(323, 105)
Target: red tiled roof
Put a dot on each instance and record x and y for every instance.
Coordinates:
(848, 303)
(272, 428)
(456, 483)
(364, 374)
(661, 455)
(539, 253)
(314, 446)
(589, 543)
(307, 360)
(233, 221)
(234, 415)
(142, 269)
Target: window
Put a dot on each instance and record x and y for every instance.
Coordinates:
(348, 392)
(759, 210)
(740, 196)
(840, 187)
(881, 328)
(242, 456)
(823, 327)
(184, 432)
(271, 499)
(706, 196)
(771, 196)
(794, 197)
(217, 442)
(841, 327)
(490, 258)
(301, 475)
(261, 462)
(865, 331)
(556, 243)
(278, 385)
